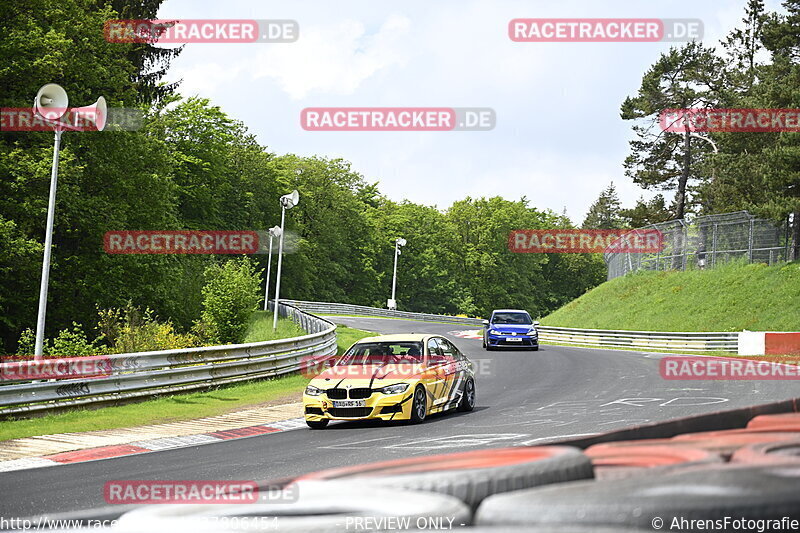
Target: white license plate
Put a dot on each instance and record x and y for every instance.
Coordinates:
(513, 339)
(349, 403)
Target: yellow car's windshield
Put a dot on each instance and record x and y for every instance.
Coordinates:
(383, 353)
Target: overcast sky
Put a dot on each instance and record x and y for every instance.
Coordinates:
(558, 141)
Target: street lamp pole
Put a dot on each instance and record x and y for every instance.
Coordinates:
(397, 244)
(273, 232)
(288, 201)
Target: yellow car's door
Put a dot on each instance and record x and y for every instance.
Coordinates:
(452, 373)
(436, 382)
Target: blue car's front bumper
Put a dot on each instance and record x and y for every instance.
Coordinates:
(519, 340)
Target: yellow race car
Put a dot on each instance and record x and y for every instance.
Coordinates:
(392, 377)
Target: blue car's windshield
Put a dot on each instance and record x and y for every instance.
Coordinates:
(512, 318)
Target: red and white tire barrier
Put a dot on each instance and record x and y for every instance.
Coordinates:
(779, 422)
(611, 462)
(470, 476)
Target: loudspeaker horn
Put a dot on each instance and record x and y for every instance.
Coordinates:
(51, 102)
(96, 114)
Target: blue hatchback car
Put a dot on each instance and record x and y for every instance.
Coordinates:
(510, 328)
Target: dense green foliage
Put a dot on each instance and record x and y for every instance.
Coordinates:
(191, 166)
(765, 299)
(757, 66)
(230, 297)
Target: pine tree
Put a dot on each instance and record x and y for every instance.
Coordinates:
(605, 211)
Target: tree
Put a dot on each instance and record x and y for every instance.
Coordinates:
(103, 178)
(230, 297)
(604, 213)
(647, 212)
(150, 62)
(687, 77)
(760, 171)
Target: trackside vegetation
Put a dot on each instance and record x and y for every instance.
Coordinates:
(185, 406)
(191, 166)
(731, 297)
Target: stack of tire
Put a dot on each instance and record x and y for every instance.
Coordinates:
(739, 479)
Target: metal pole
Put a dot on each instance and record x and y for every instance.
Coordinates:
(278, 276)
(48, 242)
(394, 277)
(714, 245)
(269, 266)
(685, 229)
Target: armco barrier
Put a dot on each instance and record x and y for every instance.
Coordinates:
(658, 340)
(329, 308)
(142, 374)
(677, 341)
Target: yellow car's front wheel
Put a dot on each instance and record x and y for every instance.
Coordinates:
(419, 406)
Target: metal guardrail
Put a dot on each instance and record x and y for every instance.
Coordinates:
(350, 309)
(657, 340)
(134, 375)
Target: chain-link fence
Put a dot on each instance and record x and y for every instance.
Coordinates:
(706, 242)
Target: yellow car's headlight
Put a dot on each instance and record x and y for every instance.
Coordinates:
(311, 390)
(397, 388)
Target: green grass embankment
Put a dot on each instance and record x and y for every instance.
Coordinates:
(731, 297)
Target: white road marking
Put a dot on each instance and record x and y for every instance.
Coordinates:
(541, 440)
(357, 445)
(456, 441)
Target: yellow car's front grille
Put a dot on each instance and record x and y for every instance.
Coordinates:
(350, 412)
(358, 393)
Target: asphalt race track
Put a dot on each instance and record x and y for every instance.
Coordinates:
(523, 397)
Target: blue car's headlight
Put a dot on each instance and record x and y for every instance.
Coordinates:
(397, 388)
(311, 390)
(532, 332)
(494, 332)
